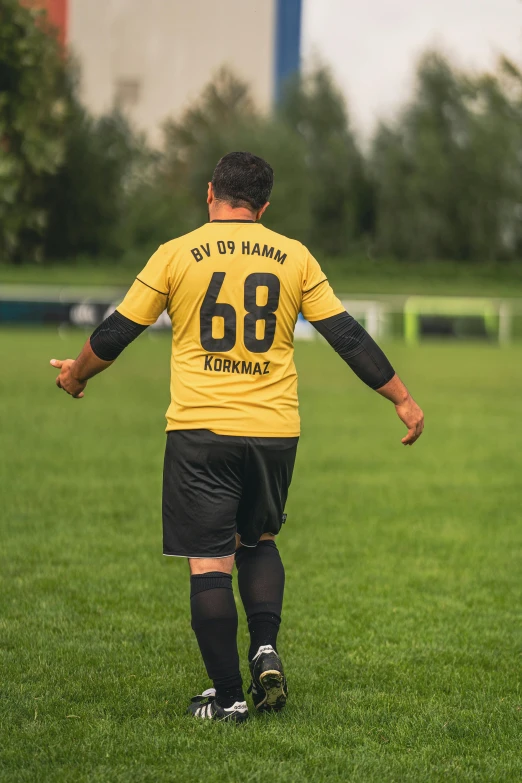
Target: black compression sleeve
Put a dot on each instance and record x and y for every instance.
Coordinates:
(113, 335)
(357, 348)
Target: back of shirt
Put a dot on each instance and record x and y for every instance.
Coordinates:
(233, 291)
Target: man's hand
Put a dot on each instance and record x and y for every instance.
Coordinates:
(74, 373)
(67, 379)
(407, 409)
(413, 417)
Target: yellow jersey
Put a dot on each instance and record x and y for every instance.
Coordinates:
(233, 291)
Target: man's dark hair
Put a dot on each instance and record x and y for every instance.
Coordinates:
(243, 179)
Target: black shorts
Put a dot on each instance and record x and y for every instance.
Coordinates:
(215, 486)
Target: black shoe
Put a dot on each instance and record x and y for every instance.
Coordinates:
(269, 688)
(206, 707)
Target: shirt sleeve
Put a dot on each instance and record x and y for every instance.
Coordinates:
(113, 335)
(357, 348)
(319, 300)
(147, 297)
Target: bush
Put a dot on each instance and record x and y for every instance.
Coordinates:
(88, 198)
(446, 174)
(34, 111)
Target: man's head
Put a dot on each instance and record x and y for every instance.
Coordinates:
(242, 182)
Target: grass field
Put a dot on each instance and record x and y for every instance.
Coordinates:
(356, 275)
(402, 627)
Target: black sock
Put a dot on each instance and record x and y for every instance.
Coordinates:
(214, 621)
(261, 579)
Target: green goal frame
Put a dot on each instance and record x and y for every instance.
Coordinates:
(417, 306)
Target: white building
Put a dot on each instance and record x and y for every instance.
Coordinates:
(154, 57)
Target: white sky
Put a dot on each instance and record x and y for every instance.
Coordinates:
(373, 45)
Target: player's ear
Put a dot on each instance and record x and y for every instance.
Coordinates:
(210, 193)
(262, 211)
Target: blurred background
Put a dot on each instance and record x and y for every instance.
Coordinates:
(394, 129)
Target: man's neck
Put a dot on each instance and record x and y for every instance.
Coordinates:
(224, 212)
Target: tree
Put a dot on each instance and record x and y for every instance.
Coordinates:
(34, 106)
(194, 143)
(446, 173)
(496, 149)
(420, 168)
(90, 194)
(221, 120)
(340, 196)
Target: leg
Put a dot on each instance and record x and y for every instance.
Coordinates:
(202, 565)
(264, 537)
(261, 580)
(201, 491)
(214, 621)
(261, 576)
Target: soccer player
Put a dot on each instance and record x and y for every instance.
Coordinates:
(233, 290)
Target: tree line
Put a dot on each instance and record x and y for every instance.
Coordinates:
(441, 180)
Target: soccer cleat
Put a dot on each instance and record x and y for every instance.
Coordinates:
(268, 687)
(207, 708)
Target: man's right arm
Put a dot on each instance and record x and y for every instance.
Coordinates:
(143, 304)
(356, 347)
(362, 354)
(141, 307)
(113, 335)
(407, 409)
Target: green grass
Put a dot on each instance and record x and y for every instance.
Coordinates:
(401, 628)
(110, 273)
(359, 275)
(385, 276)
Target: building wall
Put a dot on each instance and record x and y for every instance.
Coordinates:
(156, 56)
